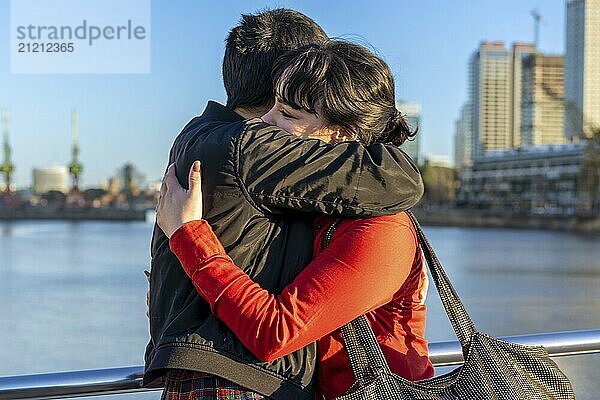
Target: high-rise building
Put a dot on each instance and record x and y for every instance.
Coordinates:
(520, 51)
(463, 147)
(51, 179)
(542, 106)
(495, 96)
(489, 71)
(582, 67)
(129, 178)
(412, 114)
(459, 147)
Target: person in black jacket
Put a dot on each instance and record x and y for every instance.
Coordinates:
(262, 190)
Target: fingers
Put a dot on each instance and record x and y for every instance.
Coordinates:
(195, 178)
(164, 183)
(170, 180)
(163, 189)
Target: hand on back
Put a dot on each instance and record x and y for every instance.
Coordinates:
(176, 206)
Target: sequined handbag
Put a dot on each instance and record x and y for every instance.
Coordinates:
(493, 369)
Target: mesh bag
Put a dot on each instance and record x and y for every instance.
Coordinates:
(493, 369)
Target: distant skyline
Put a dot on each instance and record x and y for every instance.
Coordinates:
(135, 118)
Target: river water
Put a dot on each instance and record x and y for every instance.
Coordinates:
(72, 294)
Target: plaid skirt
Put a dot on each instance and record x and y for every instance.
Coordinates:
(190, 385)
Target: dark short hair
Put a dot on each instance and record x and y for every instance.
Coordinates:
(352, 88)
(253, 46)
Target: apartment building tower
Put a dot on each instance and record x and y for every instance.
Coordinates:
(463, 147)
(495, 96)
(542, 100)
(582, 67)
(412, 114)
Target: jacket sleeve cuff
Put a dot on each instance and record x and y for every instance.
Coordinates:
(194, 242)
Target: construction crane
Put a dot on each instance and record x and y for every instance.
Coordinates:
(7, 167)
(537, 17)
(75, 167)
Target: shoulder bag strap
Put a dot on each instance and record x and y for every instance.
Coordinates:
(366, 356)
(457, 314)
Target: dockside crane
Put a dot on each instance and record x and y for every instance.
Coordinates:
(75, 167)
(7, 167)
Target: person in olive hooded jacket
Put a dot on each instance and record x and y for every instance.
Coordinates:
(262, 189)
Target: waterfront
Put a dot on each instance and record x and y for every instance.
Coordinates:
(72, 294)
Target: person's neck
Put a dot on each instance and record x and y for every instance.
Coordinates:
(249, 113)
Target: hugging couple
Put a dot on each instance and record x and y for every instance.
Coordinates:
(246, 301)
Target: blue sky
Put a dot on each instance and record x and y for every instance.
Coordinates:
(134, 118)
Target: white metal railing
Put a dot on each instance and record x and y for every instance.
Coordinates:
(128, 379)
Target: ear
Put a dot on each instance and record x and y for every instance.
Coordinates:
(342, 135)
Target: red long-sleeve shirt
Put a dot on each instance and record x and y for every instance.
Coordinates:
(371, 266)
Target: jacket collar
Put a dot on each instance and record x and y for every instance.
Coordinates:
(218, 112)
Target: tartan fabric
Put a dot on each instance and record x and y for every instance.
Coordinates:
(191, 385)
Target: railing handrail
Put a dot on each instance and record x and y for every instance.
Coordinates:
(128, 379)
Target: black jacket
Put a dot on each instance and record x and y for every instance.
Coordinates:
(260, 186)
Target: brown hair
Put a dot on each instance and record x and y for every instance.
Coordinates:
(352, 87)
(253, 46)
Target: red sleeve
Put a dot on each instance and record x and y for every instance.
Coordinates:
(362, 268)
